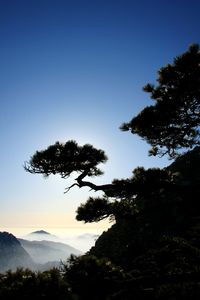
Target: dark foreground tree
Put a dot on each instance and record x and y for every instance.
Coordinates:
(170, 126)
(156, 210)
(172, 123)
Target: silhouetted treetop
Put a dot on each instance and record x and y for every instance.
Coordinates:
(63, 159)
(172, 123)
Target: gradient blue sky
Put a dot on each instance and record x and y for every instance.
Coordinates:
(75, 70)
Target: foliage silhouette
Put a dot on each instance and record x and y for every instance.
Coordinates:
(26, 284)
(153, 249)
(93, 278)
(173, 122)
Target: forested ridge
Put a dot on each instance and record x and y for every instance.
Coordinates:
(153, 249)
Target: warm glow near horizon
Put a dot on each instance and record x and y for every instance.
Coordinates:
(47, 220)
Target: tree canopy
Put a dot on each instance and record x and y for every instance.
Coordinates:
(66, 158)
(152, 250)
(172, 123)
(170, 126)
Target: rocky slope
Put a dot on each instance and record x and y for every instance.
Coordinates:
(12, 254)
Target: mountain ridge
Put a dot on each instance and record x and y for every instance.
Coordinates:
(46, 251)
(12, 254)
(35, 255)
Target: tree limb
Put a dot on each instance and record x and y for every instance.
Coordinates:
(69, 188)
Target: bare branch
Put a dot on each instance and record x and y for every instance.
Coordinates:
(71, 186)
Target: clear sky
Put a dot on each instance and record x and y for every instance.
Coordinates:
(75, 70)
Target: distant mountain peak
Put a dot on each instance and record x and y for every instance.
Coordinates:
(40, 232)
(41, 235)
